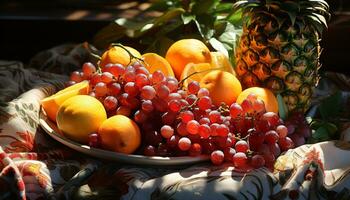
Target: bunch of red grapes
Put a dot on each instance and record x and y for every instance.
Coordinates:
(178, 121)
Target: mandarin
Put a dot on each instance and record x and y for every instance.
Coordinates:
(223, 87)
(187, 51)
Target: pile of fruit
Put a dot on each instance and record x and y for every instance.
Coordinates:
(187, 104)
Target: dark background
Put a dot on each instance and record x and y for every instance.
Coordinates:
(28, 27)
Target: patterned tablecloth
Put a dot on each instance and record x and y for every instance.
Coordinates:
(34, 166)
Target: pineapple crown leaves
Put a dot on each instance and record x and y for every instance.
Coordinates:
(314, 12)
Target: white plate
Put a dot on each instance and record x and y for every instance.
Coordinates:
(52, 130)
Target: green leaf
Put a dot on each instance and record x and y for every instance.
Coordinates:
(218, 46)
(282, 108)
(187, 18)
(330, 107)
(235, 17)
(203, 6)
(131, 24)
(321, 134)
(224, 7)
(229, 38)
(170, 15)
(205, 25)
(331, 128)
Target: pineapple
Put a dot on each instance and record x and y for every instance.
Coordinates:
(279, 48)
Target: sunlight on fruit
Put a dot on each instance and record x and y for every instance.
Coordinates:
(194, 72)
(117, 55)
(156, 62)
(187, 51)
(219, 60)
(222, 86)
(52, 103)
(79, 116)
(263, 94)
(120, 134)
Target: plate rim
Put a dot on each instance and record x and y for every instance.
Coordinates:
(115, 156)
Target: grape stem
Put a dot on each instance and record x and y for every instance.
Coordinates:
(190, 106)
(132, 56)
(194, 73)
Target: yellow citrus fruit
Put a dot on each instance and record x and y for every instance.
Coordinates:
(187, 51)
(79, 116)
(219, 60)
(156, 62)
(264, 94)
(119, 55)
(223, 87)
(120, 134)
(194, 72)
(52, 103)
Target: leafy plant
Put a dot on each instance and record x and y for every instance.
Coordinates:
(212, 21)
(325, 126)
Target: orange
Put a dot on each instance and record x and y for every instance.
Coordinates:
(120, 134)
(187, 51)
(79, 116)
(223, 87)
(52, 103)
(156, 62)
(219, 60)
(264, 94)
(189, 73)
(117, 54)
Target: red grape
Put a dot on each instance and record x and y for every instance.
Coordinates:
(163, 91)
(192, 127)
(285, 143)
(76, 77)
(217, 157)
(181, 129)
(186, 116)
(282, 131)
(114, 89)
(214, 116)
(147, 106)
(204, 131)
(203, 92)
(193, 87)
(131, 89)
(157, 77)
(106, 77)
(240, 159)
(166, 131)
(148, 92)
(271, 137)
(241, 146)
(101, 89)
(229, 152)
(141, 80)
(235, 110)
(110, 103)
(257, 161)
(204, 103)
(184, 144)
(149, 151)
(195, 150)
(88, 69)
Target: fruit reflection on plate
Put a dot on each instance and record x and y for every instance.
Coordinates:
(51, 129)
